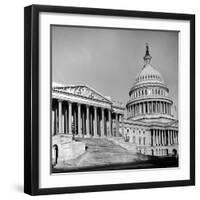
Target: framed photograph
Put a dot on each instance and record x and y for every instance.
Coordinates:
(109, 99)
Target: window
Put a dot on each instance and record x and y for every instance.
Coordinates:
(144, 140)
(139, 140)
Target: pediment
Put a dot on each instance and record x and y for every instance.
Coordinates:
(83, 91)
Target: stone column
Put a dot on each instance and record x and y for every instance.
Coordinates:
(60, 116)
(156, 134)
(139, 111)
(83, 124)
(70, 117)
(91, 124)
(132, 111)
(117, 124)
(152, 111)
(87, 122)
(109, 123)
(63, 123)
(169, 109)
(170, 137)
(148, 107)
(95, 122)
(79, 120)
(177, 136)
(143, 108)
(122, 125)
(169, 140)
(156, 109)
(163, 139)
(164, 107)
(102, 123)
(129, 113)
(159, 136)
(66, 121)
(160, 107)
(52, 121)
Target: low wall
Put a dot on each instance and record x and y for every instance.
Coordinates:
(66, 148)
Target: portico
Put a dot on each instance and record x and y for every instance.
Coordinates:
(84, 114)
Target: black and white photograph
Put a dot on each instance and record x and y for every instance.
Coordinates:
(114, 99)
(109, 99)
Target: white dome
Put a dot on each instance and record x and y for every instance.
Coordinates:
(149, 74)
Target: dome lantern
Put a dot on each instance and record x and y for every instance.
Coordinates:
(147, 57)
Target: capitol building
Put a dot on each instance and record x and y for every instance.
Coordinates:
(145, 122)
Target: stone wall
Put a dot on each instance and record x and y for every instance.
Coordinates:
(66, 147)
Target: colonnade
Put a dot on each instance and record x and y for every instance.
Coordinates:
(160, 152)
(84, 120)
(164, 137)
(149, 108)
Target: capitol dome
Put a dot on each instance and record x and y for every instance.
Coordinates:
(149, 94)
(149, 74)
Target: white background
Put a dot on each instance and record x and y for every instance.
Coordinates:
(11, 101)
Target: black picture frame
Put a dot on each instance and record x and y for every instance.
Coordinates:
(31, 98)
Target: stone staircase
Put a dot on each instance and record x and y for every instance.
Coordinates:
(131, 147)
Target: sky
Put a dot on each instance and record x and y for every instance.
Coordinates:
(108, 60)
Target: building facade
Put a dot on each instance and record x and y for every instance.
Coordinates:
(146, 120)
